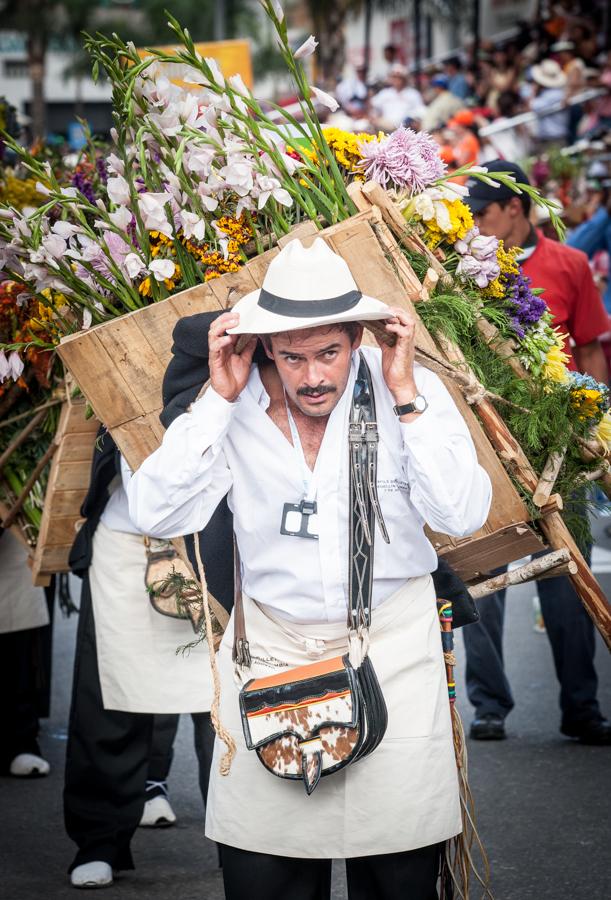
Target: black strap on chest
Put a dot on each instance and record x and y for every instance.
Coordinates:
(365, 507)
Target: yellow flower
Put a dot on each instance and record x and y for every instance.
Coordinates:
(555, 366)
(586, 402)
(144, 288)
(450, 221)
(508, 266)
(603, 430)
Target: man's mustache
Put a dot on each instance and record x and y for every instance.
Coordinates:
(316, 391)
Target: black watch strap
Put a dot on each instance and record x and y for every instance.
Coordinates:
(417, 405)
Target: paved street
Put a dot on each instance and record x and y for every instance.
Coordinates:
(543, 802)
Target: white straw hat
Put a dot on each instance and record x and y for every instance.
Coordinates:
(549, 74)
(303, 288)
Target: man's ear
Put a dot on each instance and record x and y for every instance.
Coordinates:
(266, 343)
(358, 337)
(515, 207)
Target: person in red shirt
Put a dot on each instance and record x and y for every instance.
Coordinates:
(578, 310)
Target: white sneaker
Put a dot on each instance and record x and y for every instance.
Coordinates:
(91, 875)
(28, 765)
(157, 813)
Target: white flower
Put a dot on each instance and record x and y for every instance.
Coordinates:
(326, 99)
(271, 187)
(238, 85)
(133, 265)
(121, 217)
(152, 210)
(11, 367)
(42, 189)
(53, 245)
(307, 48)
(87, 318)
(162, 269)
(115, 165)
(278, 10)
(216, 72)
(238, 174)
(193, 226)
(118, 190)
(65, 229)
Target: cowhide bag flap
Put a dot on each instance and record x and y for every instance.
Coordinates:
(170, 585)
(313, 720)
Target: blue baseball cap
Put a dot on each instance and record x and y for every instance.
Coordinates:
(441, 81)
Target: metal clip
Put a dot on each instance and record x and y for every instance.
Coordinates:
(372, 438)
(242, 656)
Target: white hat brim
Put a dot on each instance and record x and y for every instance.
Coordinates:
(256, 320)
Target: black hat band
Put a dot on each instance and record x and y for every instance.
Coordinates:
(307, 309)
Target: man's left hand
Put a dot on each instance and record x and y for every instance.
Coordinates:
(398, 361)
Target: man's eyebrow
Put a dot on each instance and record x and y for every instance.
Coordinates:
(294, 353)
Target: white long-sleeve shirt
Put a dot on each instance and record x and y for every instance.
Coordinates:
(427, 472)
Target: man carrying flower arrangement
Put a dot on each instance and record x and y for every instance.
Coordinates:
(333, 651)
(578, 311)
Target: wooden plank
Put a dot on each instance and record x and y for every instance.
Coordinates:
(231, 287)
(94, 370)
(138, 439)
(67, 502)
(193, 300)
(77, 447)
(473, 559)
(73, 475)
(56, 560)
(135, 360)
(306, 232)
(62, 532)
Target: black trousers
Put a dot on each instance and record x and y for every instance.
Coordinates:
(391, 876)
(109, 758)
(18, 694)
(571, 635)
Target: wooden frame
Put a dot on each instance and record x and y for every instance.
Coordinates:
(119, 366)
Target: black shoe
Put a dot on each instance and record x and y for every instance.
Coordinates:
(596, 732)
(488, 727)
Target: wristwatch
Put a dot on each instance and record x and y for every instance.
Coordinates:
(417, 405)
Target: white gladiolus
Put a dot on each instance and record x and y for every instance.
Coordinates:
(307, 48)
(326, 99)
(278, 10)
(133, 265)
(118, 190)
(162, 269)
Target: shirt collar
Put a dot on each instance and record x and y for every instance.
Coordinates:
(530, 245)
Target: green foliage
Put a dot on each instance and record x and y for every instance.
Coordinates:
(548, 426)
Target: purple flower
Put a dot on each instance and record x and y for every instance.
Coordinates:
(405, 160)
(478, 257)
(525, 308)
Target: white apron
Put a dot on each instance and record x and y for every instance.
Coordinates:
(403, 796)
(140, 670)
(22, 606)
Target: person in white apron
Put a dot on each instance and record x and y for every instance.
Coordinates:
(274, 440)
(128, 676)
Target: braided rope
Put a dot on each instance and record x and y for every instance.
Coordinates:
(215, 716)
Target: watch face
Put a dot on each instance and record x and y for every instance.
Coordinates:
(420, 403)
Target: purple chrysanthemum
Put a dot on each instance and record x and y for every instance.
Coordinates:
(405, 159)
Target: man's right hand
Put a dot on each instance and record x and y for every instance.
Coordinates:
(229, 370)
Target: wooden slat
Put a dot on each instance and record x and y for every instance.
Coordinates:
(473, 558)
(68, 502)
(61, 534)
(232, 286)
(134, 360)
(94, 370)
